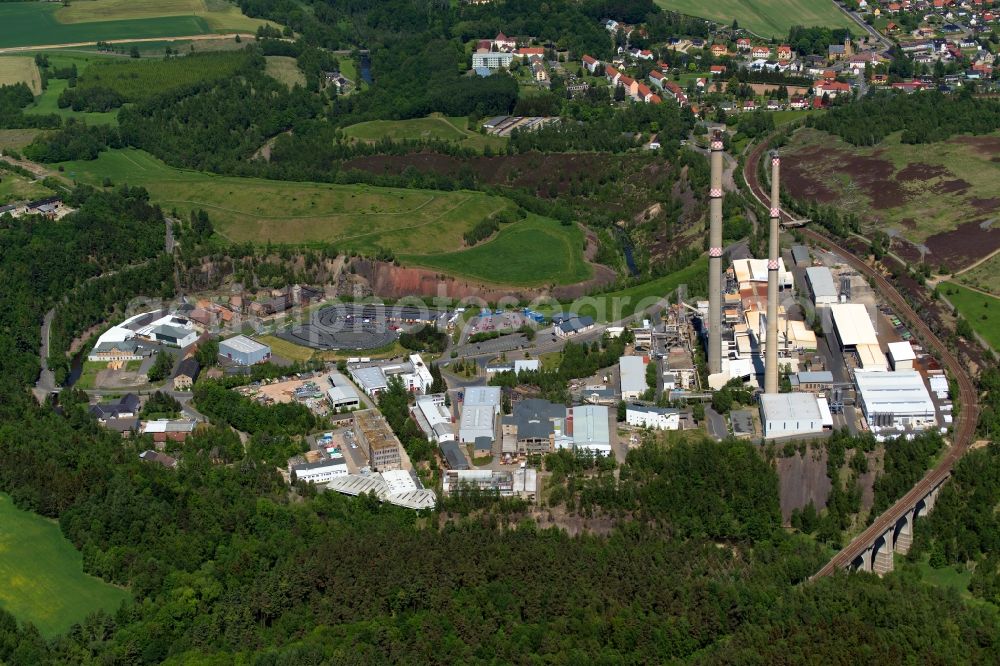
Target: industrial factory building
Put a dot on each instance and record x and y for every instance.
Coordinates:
(794, 414)
(241, 350)
(855, 334)
(480, 408)
(821, 286)
(895, 402)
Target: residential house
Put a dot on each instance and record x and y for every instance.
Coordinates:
(643, 92)
(743, 44)
(719, 50)
(591, 64)
(785, 53)
(760, 52)
(657, 79)
(126, 406)
(717, 70)
(502, 42)
(187, 374)
(798, 103)
(530, 52)
(164, 430)
(158, 458)
(831, 88)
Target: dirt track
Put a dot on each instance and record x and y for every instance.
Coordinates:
(70, 45)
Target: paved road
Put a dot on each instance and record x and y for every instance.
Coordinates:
(965, 426)
(46, 380)
(716, 424)
(886, 44)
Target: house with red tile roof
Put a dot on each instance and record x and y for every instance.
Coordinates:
(590, 64)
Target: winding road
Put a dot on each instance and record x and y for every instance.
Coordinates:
(965, 425)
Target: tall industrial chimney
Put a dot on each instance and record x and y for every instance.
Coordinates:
(715, 259)
(771, 349)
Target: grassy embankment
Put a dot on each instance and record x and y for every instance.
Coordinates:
(980, 310)
(435, 126)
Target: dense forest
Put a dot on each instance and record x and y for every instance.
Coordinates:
(923, 117)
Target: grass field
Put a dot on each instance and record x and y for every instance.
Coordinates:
(533, 252)
(284, 69)
(617, 305)
(42, 574)
(15, 187)
(982, 277)
(221, 16)
(20, 69)
(434, 126)
(17, 138)
(48, 102)
(981, 311)
(767, 18)
(357, 217)
(286, 349)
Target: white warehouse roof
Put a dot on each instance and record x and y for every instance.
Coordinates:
(821, 282)
(790, 407)
(242, 343)
(633, 374)
(854, 326)
(901, 393)
(902, 351)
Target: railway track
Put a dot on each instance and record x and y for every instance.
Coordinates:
(965, 426)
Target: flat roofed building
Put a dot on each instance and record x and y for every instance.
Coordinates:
(241, 350)
(852, 325)
(591, 431)
(790, 414)
(377, 440)
(480, 407)
(896, 401)
(800, 255)
(434, 418)
(341, 394)
(658, 418)
(821, 286)
(870, 357)
(901, 355)
(321, 471)
(492, 59)
(533, 427)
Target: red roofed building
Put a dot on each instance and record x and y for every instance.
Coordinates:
(719, 50)
(643, 92)
(908, 86)
(655, 99)
(743, 44)
(831, 88)
(657, 79)
(590, 64)
(760, 52)
(502, 41)
(612, 74)
(717, 69)
(530, 52)
(785, 52)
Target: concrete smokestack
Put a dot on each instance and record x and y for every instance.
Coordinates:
(771, 348)
(715, 259)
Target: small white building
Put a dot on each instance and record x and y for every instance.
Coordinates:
(322, 471)
(791, 414)
(632, 371)
(241, 350)
(657, 418)
(526, 364)
(901, 355)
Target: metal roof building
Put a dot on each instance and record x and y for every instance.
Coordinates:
(633, 377)
(821, 286)
(479, 411)
(895, 401)
(901, 355)
(852, 325)
(244, 351)
(790, 414)
(800, 255)
(591, 431)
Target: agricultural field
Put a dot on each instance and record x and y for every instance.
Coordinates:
(20, 69)
(532, 252)
(42, 574)
(981, 310)
(136, 80)
(15, 187)
(220, 15)
(767, 18)
(433, 127)
(940, 202)
(284, 69)
(356, 217)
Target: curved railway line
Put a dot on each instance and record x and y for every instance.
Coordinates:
(965, 426)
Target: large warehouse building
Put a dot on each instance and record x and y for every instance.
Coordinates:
(241, 350)
(791, 414)
(590, 429)
(895, 401)
(633, 377)
(856, 334)
(480, 408)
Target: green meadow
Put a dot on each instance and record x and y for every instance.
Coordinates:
(41, 574)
